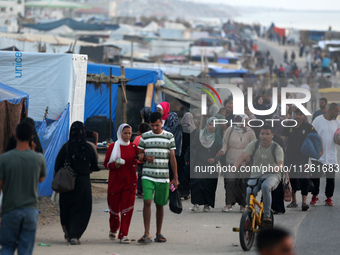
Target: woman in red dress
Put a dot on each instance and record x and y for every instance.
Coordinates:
(121, 162)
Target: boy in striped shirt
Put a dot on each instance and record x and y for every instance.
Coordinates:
(156, 148)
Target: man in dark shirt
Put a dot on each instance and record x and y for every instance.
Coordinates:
(294, 157)
(20, 171)
(323, 108)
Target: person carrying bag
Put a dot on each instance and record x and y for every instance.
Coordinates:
(64, 178)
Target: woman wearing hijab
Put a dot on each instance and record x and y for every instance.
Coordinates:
(145, 114)
(76, 205)
(206, 147)
(35, 143)
(235, 140)
(189, 130)
(259, 105)
(172, 125)
(164, 109)
(121, 162)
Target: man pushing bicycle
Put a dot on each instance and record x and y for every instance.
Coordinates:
(267, 162)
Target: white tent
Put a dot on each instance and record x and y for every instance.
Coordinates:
(152, 27)
(51, 80)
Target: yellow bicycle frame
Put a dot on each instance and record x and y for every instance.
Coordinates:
(257, 215)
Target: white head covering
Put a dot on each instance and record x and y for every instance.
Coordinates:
(159, 106)
(187, 122)
(239, 127)
(116, 148)
(207, 139)
(213, 110)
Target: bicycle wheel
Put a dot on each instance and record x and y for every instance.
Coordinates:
(247, 235)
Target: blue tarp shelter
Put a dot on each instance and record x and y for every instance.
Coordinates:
(226, 73)
(97, 99)
(12, 95)
(52, 134)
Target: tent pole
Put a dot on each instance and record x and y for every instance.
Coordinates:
(110, 104)
(124, 98)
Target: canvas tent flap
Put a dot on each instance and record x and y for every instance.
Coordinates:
(52, 80)
(10, 117)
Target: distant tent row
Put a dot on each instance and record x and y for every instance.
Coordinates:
(71, 23)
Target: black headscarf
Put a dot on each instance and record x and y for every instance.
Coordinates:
(261, 107)
(77, 140)
(145, 112)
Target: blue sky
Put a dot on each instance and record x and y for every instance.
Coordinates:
(333, 5)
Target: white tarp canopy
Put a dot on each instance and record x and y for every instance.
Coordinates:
(332, 49)
(323, 44)
(52, 80)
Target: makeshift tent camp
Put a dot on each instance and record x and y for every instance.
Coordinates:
(97, 99)
(51, 80)
(13, 108)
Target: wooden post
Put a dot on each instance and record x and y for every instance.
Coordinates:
(110, 104)
(124, 99)
(149, 95)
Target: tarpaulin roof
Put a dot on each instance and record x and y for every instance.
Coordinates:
(56, 4)
(12, 95)
(226, 73)
(137, 76)
(75, 25)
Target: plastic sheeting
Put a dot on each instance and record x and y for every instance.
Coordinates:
(52, 80)
(138, 77)
(52, 134)
(12, 95)
(97, 101)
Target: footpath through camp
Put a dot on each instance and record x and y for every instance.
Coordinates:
(189, 232)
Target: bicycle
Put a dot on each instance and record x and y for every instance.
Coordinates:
(251, 221)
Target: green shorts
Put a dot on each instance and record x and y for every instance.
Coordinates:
(160, 189)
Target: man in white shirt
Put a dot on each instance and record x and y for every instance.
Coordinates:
(326, 125)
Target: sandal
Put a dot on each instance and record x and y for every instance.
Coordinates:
(112, 235)
(292, 205)
(227, 208)
(160, 239)
(145, 239)
(125, 240)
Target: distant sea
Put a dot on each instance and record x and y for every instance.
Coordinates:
(303, 20)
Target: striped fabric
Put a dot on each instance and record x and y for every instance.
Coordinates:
(158, 146)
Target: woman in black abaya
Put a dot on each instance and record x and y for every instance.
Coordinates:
(76, 205)
(204, 184)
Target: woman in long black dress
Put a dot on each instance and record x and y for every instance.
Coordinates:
(189, 131)
(203, 189)
(76, 205)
